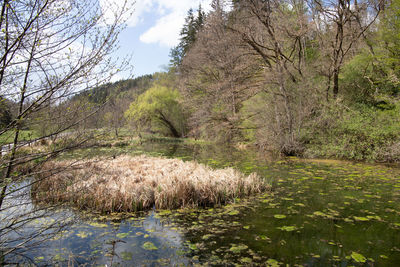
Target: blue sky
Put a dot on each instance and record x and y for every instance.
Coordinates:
(152, 31)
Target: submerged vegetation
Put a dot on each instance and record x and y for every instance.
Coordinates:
(320, 213)
(140, 183)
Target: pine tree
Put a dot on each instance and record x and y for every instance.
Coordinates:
(192, 26)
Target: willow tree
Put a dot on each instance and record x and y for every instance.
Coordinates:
(158, 108)
(49, 50)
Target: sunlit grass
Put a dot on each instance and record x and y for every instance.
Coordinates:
(24, 135)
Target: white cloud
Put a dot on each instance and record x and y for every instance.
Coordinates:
(140, 8)
(165, 32)
(172, 16)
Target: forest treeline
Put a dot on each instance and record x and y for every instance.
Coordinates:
(312, 78)
(300, 77)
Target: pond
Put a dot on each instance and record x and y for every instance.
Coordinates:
(319, 213)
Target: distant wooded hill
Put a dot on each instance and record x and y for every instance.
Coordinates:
(100, 95)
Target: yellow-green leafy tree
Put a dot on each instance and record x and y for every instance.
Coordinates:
(159, 109)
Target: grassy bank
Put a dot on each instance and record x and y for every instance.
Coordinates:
(139, 183)
(24, 135)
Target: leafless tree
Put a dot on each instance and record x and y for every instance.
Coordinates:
(218, 76)
(114, 112)
(276, 32)
(49, 50)
(340, 25)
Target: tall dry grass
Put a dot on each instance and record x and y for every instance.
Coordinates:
(138, 183)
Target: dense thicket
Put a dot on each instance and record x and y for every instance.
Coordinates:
(314, 77)
(301, 77)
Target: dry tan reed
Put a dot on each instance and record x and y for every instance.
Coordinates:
(138, 183)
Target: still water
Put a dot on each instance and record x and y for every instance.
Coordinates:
(319, 213)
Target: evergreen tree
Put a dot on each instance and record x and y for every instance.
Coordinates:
(192, 26)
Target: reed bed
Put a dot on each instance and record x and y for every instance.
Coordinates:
(142, 182)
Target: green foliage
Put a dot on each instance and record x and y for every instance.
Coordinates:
(390, 31)
(390, 36)
(367, 78)
(5, 112)
(358, 87)
(24, 135)
(158, 108)
(369, 127)
(363, 133)
(371, 75)
(361, 124)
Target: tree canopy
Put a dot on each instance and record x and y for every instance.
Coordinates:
(158, 107)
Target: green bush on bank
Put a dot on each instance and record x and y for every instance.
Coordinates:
(359, 133)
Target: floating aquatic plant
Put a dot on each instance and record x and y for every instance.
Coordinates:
(358, 257)
(149, 246)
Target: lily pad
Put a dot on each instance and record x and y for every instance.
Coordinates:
(361, 219)
(40, 258)
(238, 248)
(358, 257)
(272, 263)
(100, 225)
(206, 237)
(193, 246)
(233, 212)
(280, 216)
(83, 234)
(126, 256)
(122, 235)
(289, 228)
(149, 246)
(246, 260)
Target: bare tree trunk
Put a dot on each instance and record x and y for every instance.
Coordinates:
(328, 88)
(19, 121)
(42, 65)
(335, 83)
(342, 19)
(169, 124)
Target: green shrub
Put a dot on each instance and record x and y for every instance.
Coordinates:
(359, 133)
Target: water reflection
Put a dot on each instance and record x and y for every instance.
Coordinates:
(320, 214)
